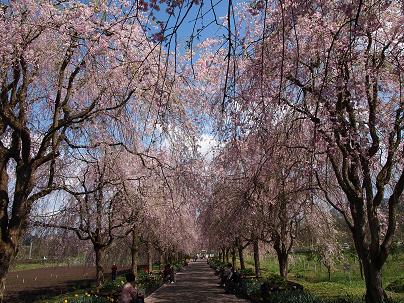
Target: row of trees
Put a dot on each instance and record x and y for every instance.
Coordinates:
(312, 113)
(92, 134)
(99, 108)
(107, 199)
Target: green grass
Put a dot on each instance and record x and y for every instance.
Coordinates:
(343, 284)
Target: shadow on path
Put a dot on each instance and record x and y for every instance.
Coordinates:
(197, 283)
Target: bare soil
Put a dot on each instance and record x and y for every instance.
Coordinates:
(34, 284)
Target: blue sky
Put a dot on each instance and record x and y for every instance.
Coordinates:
(204, 27)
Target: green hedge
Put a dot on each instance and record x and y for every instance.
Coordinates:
(396, 286)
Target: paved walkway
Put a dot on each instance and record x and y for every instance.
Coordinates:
(195, 284)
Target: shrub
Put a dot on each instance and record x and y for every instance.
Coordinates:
(276, 281)
(149, 282)
(396, 286)
(177, 266)
(89, 299)
(247, 272)
(250, 288)
(293, 296)
(216, 263)
(113, 286)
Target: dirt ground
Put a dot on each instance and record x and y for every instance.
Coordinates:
(30, 285)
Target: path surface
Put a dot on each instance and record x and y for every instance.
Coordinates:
(195, 284)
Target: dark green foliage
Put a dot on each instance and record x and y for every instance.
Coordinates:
(250, 288)
(177, 266)
(149, 282)
(293, 296)
(247, 272)
(396, 286)
(216, 263)
(276, 281)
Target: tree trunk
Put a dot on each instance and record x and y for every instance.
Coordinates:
(233, 257)
(283, 264)
(328, 271)
(373, 279)
(8, 251)
(223, 255)
(241, 257)
(150, 257)
(165, 258)
(6, 255)
(134, 253)
(360, 268)
(99, 254)
(12, 224)
(227, 255)
(161, 261)
(134, 259)
(256, 259)
(2, 289)
(372, 262)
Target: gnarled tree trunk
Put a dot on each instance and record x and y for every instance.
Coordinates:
(374, 288)
(150, 257)
(256, 258)
(233, 257)
(12, 225)
(99, 258)
(134, 253)
(283, 264)
(241, 257)
(6, 256)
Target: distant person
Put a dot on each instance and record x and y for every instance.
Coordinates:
(130, 294)
(114, 269)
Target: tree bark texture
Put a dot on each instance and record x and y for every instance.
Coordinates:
(150, 257)
(99, 259)
(256, 258)
(134, 253)
(241, 257)
(233, 257)
(283, 264)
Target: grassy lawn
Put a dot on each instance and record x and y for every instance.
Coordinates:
(343, 284)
